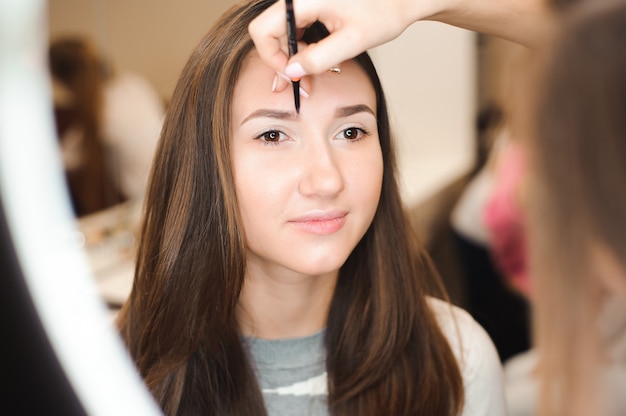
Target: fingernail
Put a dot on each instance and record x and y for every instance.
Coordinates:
(303, 92)
(295, 71)
(283, 76)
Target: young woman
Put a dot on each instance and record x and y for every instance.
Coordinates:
(277, 273)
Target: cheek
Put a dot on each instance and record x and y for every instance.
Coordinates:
(367, 177)
(259, 188)
(252, 206)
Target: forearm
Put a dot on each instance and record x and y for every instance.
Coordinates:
(522, 21)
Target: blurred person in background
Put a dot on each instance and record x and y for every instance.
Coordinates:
(107, 123)
(492, 299)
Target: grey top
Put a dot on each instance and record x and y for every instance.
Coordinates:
(292, 372)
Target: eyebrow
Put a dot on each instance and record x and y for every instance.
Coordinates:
(340, 112)
(353, 109)
(277, 114)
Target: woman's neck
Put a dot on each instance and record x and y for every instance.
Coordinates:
(284, 305)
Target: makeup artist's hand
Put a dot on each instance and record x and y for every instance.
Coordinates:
(355, 26)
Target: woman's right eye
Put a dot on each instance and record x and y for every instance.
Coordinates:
(271, 137)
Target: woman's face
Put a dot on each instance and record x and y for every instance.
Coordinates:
(307, 184)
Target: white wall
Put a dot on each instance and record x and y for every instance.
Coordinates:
(429, 75)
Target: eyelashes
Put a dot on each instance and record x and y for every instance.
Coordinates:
(274, 137)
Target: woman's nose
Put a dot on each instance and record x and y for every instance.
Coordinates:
(321, 174)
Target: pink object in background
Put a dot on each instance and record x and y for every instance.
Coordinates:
(505, 220)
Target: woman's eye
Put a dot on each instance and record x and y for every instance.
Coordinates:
(271, 136)
(352, 134)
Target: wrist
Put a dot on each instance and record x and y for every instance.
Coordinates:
(415, 10)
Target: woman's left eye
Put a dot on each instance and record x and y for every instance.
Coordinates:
(352, 134)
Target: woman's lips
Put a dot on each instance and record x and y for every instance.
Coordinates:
(320, 223)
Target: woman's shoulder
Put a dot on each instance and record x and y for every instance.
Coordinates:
(469, 342)
(457, 324)
(477, 358)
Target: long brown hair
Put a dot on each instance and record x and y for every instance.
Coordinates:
(385, 351)
(578, 198)
(75, 63)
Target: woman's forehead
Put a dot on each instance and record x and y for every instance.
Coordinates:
(254, 84)
(253, 59)
(326, 92)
